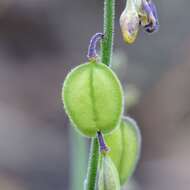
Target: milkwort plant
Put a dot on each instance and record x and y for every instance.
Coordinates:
(93, 100)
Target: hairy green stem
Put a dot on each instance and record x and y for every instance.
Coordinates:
(107, 42)
(106, 54)
(92, 165)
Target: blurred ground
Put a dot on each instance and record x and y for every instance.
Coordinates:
(40, 41)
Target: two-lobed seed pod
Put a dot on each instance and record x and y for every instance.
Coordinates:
(93, 98)
(125, 146)
(108, 176)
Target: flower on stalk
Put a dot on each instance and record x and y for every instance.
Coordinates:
(149, 16)
(129, 22)
(138, 13)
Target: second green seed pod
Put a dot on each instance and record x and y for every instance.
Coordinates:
(125, 146)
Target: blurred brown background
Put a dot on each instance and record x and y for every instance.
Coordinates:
(40, 41)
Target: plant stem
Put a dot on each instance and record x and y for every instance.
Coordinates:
(106, 54)
(92, 165)
(78, 155)
(107, 42)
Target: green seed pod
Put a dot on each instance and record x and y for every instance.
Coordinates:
(108, 176)
(125, 146)
(93, 98)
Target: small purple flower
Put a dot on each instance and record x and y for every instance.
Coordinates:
(138, 13)
(152, 17)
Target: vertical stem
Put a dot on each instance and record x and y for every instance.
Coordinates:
(90, 182)
(78, 155)
(107, 43)
(106, 54)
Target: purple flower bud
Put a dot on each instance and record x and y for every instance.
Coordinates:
(129, 22)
